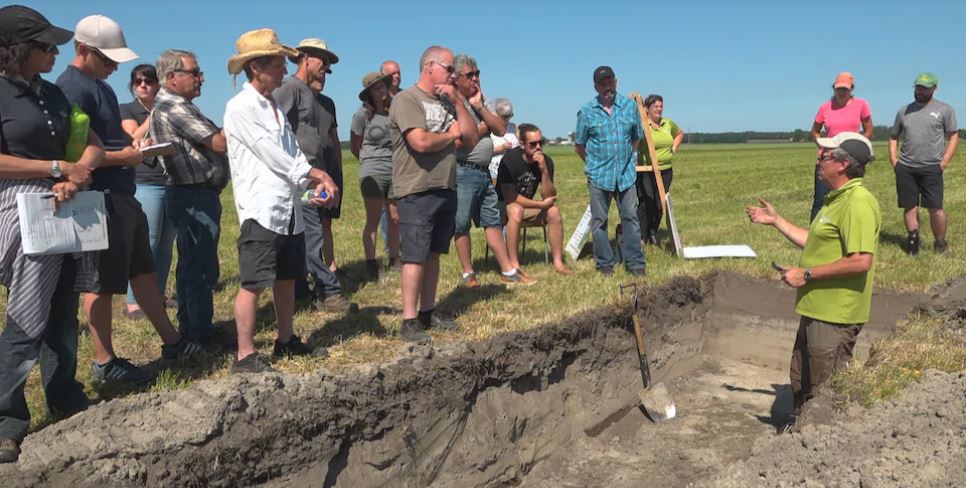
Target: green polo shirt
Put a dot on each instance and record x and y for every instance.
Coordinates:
(663, 138)
(848, 222)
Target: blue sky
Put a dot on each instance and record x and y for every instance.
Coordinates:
(720, 65)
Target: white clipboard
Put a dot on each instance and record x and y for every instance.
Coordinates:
(77, 225)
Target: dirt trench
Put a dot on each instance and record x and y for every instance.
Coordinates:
(554, 406)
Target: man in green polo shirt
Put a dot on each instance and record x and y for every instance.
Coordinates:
(834, 276)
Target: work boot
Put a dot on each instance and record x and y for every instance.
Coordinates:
(119, 370)
(9, 451)
(913, 247)
(337, 304)
(295, 347)
(413, 331)
(252, 363)
(429, 319)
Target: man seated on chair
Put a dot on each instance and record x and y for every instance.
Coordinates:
(521, 171)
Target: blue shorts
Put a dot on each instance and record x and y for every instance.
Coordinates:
(476, 199)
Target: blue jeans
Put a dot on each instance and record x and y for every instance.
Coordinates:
(627, 208)
(195, 213)
(160, 232)
(326, 282)
(476, 199)
(56, 348)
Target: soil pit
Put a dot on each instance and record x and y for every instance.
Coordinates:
(555, 406)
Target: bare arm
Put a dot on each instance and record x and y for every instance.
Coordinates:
(424, 141)
(129, 156)
(816, 130)
(134, 130)
(867, 128)
(355, 144)
(952, 140)
(216, 142)
(494, 123)
(678, 140)
(510, 195)
(850, 264)
(893, 151)
(17, 168)
(766, 215)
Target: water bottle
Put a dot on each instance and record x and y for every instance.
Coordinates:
(77, 139)
(310, 194)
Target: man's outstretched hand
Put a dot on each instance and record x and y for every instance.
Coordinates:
(765, 214)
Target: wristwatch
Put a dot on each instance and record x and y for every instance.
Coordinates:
(808, 275)
(55, 170)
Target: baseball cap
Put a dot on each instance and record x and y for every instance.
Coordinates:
(102, 33)
(927, 80)
(602, 73)
(20, 24)
(844, 80)
(851, 142)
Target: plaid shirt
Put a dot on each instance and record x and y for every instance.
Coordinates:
(611, 163)
(181, 122)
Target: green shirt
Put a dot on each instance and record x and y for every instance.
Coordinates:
(848, 222)
(663, 138)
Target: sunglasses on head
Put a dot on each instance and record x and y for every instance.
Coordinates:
(106, 61)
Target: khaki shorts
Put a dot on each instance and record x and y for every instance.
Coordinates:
(532, 216)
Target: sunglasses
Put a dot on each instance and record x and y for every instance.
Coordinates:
(448, 67)
(146, 81)
(106, 61)
(533, 144)
(43, 46)
(472, 74)
(195, 73)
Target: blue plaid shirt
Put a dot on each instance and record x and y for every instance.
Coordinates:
(607, 138)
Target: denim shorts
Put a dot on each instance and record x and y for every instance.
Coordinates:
(477, 200)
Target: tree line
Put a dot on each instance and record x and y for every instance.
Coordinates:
(879, 133)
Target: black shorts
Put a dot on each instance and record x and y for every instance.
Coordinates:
(129, 248)
(265, 257)
(919, 187)
(426, 223)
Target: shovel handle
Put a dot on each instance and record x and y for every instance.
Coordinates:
(641, 351)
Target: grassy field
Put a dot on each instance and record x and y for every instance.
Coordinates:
(712, 185)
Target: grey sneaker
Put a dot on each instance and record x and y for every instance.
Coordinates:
(517, 278)
(434, 320)
(9, 451)
(252, 363)
(183, 349)
(295, 347)
(119, 370)
(413, 331)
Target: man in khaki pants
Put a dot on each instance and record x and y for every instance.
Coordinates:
(834, 276)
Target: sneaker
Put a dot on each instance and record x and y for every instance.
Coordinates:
(941, 247)
(517, 278)
(337, 304)
(9, 451)
(295, 347)
(252, 363)
(183, 349)
(434, 320)
(374, 271)
(913, 247)
(785, 428)
(413, 331)
(470, 281)
(119, 370)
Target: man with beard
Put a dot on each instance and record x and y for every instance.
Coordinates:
(929, 138)
(608, 130)
(313, 121)
(476, 196)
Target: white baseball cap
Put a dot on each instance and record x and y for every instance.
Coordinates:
(106, 36)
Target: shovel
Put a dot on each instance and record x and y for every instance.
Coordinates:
(655, 398)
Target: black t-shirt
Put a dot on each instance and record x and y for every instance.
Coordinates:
(514, 170)
(34, 119)
(150, 171)
(97, 100)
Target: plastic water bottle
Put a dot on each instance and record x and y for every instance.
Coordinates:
(77, 138)
(310, 194)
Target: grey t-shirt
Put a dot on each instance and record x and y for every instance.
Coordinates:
(375, 155)
(923, 130)
(482, 152)
(308, 118)
(414, 172)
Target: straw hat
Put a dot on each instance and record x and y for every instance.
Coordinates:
(255, 44)
(371, 79)
(317, 47)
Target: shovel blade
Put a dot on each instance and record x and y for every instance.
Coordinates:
(657, 403)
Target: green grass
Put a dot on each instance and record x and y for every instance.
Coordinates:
(712, 185)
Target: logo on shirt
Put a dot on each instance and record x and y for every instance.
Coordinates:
(438, 119)
(935, 115)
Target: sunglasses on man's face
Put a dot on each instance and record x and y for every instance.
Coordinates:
(472, 74)
(43, 46)
(194, 73)
(535, 144)
(448, 67)
(106, 61)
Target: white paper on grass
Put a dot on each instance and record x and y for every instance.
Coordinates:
(579, 236)
(704, 252)
(77, 225)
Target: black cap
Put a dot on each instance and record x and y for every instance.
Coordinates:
(858, 150)
(19, 24)
(602, 73)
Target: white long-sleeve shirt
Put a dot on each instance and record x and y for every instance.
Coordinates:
(268, 170)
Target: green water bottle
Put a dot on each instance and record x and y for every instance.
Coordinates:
(77, 141)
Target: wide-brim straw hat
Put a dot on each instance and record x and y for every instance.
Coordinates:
(255, 44)
(371, 79)
(317, 47)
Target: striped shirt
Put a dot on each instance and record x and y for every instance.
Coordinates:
(609, 142)
(181, 122)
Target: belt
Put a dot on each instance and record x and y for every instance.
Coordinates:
(467, 164)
